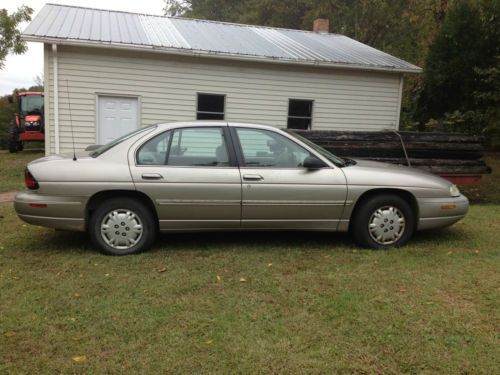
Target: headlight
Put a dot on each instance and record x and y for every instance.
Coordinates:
(454, 192)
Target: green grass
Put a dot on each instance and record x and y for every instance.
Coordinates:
(311, 303)
(12, 168)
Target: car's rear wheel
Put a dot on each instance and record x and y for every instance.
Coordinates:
(383, 221)
(122, 226)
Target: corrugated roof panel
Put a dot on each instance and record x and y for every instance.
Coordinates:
(84, 32)
(170, 34)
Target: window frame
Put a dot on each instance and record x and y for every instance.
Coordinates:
(207, 112)
(226, 136)
(310, 118)
(241, 158)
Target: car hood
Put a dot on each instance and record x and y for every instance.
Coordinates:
(373, 173)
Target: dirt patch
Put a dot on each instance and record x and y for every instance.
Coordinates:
(7, 197)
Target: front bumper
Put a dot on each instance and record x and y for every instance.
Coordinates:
(66, 213)
(441, 212)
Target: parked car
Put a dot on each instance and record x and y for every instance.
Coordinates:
(203, 176)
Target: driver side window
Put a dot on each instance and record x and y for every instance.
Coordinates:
(263, 148)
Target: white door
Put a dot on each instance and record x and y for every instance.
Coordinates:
(116, 116)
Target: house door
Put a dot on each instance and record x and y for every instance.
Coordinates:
(116, 116)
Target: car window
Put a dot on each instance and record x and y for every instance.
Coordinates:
(154, 151)
(198, 147)
(263, 148)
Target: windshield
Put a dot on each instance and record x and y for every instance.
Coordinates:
(107, 146)
(31, 104)
(320, 150)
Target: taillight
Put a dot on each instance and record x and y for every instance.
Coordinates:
(29, 180)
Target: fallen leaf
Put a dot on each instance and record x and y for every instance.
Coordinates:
(243, 280)
(253, 317)
(402, 290)
(162, 269)
(209, 342)
(9, 334)
(79, 358)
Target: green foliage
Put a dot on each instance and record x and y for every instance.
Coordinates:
(10, 37)
(461, 76)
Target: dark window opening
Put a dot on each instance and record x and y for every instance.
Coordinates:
(210, 107)
(299, 114)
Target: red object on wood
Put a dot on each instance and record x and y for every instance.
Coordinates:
(464, 180)
(31, 136)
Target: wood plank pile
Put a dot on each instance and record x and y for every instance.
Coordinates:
(439, 153)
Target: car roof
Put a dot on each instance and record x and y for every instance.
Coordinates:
(211, 123)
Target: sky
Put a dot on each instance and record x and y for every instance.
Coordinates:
(20, 70)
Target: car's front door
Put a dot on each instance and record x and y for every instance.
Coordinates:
(191, 177)
(278, 192)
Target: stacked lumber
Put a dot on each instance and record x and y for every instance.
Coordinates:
(440, 153)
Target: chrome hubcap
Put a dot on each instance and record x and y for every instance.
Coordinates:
(386, 225)
(121, 229)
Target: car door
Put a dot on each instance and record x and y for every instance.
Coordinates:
(191, 177)
(277, 192)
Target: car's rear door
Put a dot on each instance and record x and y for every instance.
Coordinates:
(277, 192)
(191, 176)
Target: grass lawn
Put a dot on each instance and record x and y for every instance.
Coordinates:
(12, 168)
(251, 302)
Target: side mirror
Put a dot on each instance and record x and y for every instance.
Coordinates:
(312, 162)
(10, 98)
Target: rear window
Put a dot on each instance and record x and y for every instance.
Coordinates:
(110, 145)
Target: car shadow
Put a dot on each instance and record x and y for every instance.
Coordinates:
(78, 242)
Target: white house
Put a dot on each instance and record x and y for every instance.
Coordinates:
(117, 71)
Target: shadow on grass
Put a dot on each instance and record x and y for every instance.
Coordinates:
(79, 243)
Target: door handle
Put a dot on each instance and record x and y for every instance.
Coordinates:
(151, 176)
(253, 177)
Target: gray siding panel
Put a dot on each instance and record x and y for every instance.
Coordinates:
(167, 87)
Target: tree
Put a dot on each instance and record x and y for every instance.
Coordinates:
(461, 68)
(10, 37)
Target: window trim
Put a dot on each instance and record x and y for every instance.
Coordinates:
(301, 117)
(232, 155)
(208, 112)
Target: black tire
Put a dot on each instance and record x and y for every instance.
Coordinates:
(143, 216)
(365, 213)
(13, 138)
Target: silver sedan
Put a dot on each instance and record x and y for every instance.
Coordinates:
(202, 176)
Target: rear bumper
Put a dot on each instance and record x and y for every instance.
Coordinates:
(441, 212)
(66, 213)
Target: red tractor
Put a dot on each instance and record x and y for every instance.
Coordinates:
(28, 124)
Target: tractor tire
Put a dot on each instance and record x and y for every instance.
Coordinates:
(13, 139)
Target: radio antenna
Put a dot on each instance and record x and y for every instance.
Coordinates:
(70, 121)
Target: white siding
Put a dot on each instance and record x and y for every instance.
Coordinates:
(255, 92)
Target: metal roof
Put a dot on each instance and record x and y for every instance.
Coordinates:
(87, 26)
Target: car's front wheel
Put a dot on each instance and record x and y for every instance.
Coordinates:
(122, 226)
(383, 221)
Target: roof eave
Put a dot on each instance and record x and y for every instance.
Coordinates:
(220, 55)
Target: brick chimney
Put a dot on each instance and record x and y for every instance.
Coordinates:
(321, 25)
